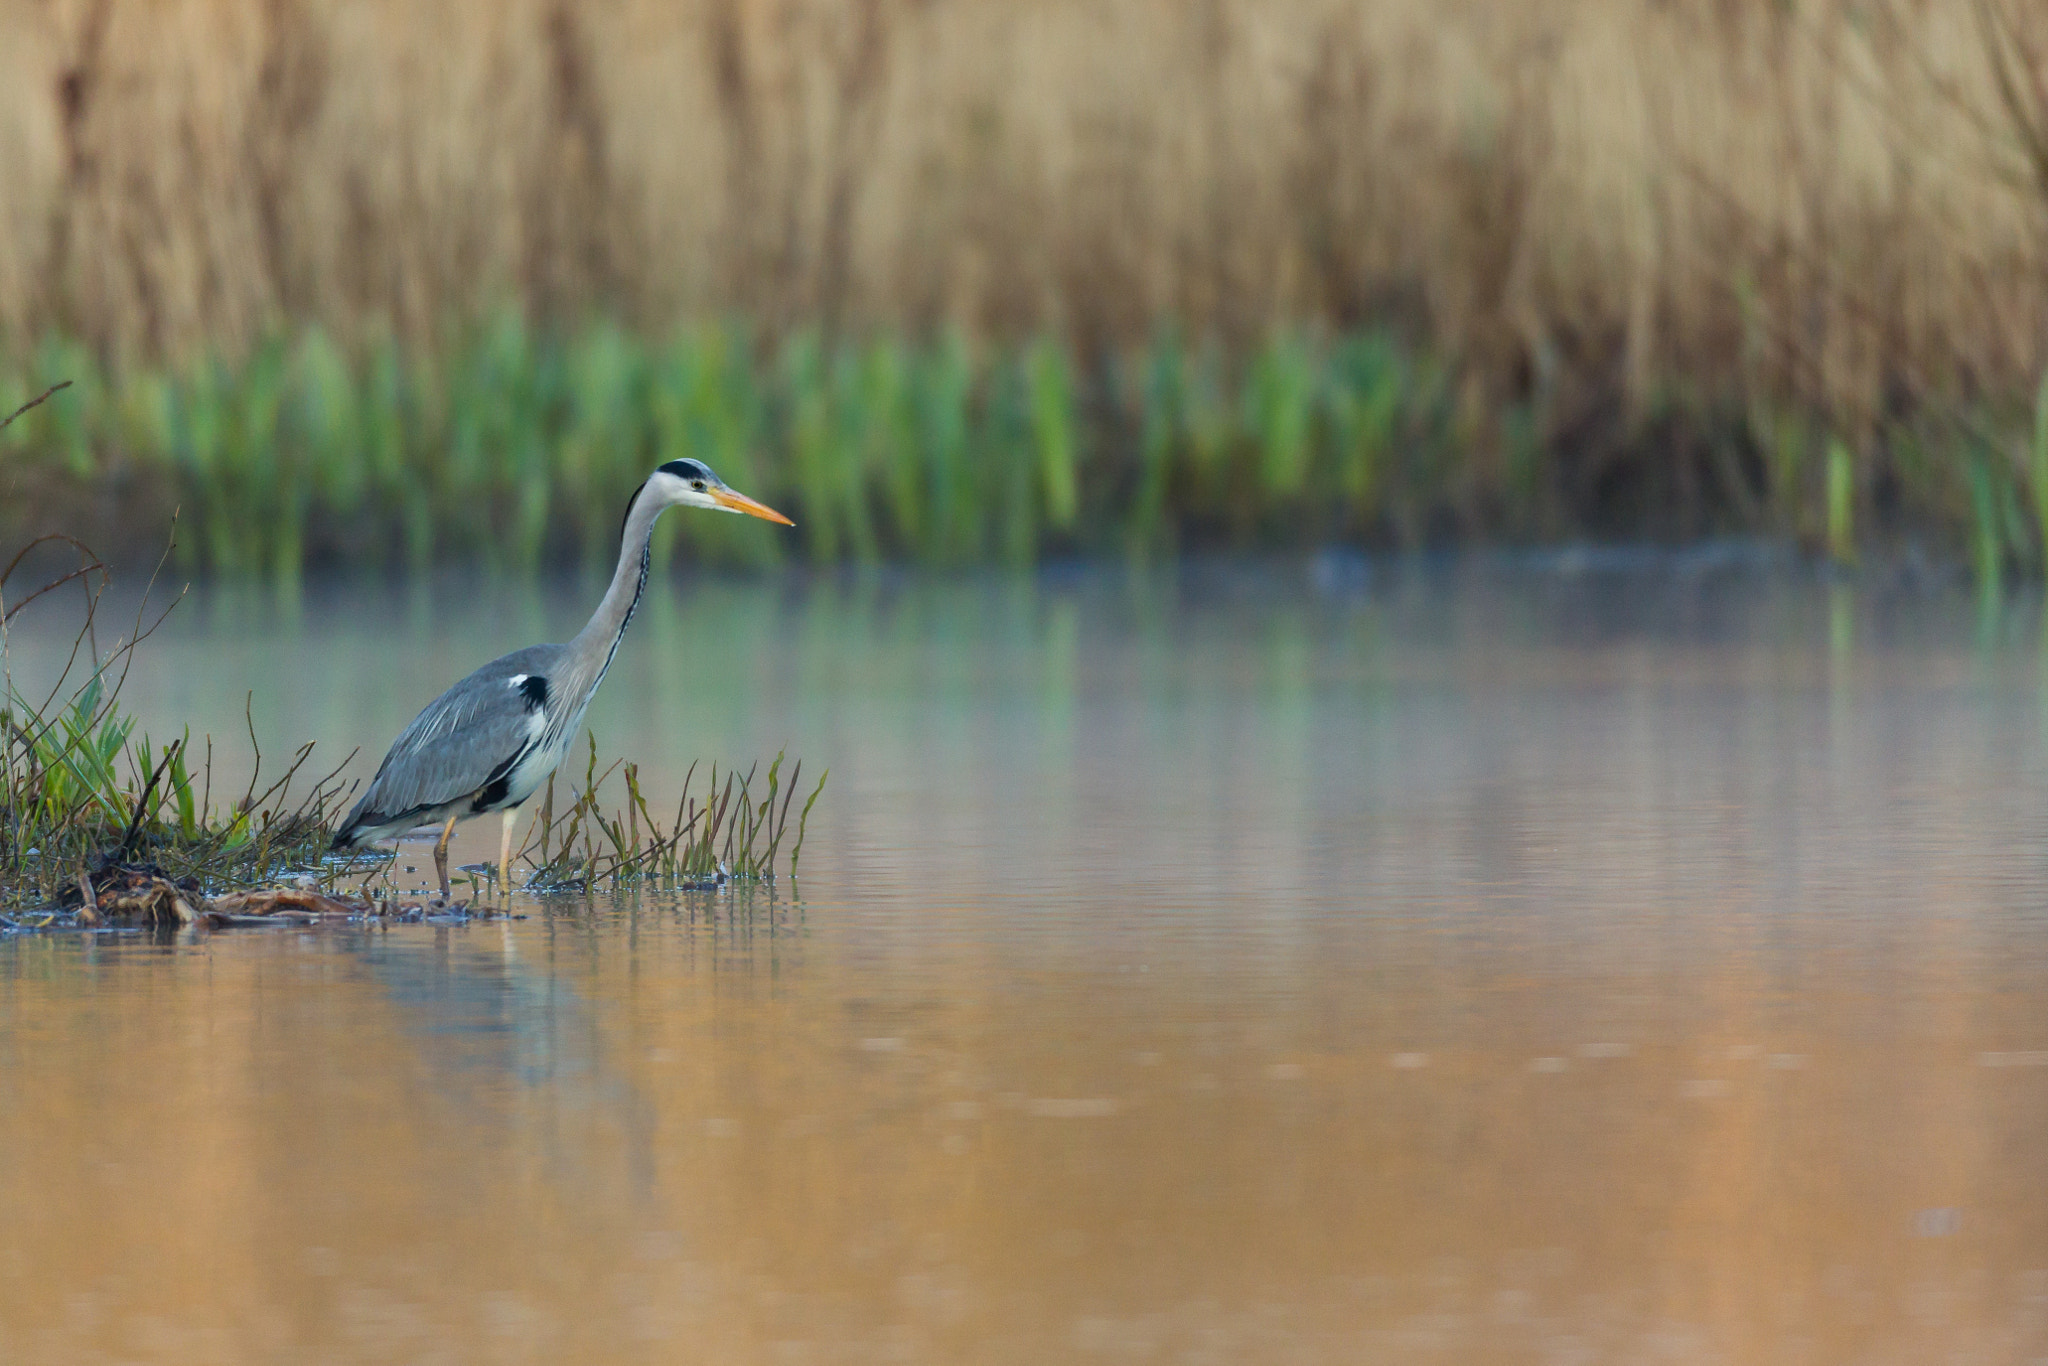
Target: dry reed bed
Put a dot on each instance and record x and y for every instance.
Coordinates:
(1602, 211)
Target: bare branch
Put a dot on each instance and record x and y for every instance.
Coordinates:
(39, 398)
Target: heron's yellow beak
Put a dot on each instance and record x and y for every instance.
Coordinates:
(739, 502)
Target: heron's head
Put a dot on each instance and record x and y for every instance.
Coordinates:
(690, 483)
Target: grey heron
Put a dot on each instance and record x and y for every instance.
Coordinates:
(489, 742)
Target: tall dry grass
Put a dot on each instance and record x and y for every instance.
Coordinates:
(1588, 206)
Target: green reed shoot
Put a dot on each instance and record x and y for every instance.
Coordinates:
(731, 830)
(1841, 503)
(1157, 379)
(2037, 466)
(1279, 401)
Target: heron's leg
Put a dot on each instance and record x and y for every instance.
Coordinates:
(441, 856)
(505, 850)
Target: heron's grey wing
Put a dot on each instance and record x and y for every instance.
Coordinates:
(461, 740)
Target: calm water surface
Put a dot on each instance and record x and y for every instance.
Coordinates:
(1467, 966)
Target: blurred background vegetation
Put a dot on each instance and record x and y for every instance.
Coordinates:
(980, 280)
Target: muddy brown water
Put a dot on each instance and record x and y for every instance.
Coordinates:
(1462, 966)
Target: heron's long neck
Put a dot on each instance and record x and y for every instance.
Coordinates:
(595, 644)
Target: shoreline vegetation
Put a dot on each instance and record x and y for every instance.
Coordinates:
(507, 447)
(101, 824)
(383, 285)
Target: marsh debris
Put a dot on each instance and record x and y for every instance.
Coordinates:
(304, 906)
(135, 892)
(140, 896)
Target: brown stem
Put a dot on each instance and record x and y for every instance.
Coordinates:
(60, 384)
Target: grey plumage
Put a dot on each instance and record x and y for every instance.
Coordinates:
(489, 742)
(458, 746)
